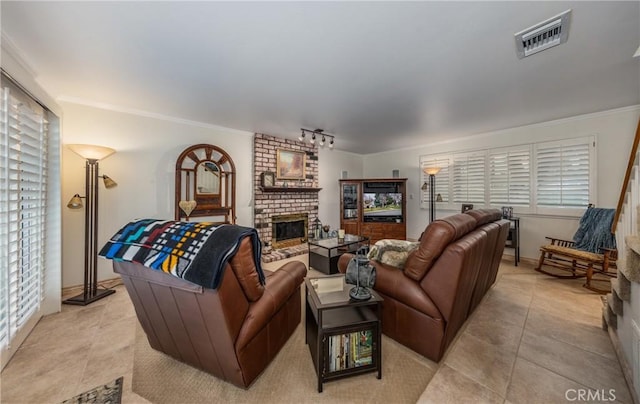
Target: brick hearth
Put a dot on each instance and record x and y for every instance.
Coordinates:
(267, 204)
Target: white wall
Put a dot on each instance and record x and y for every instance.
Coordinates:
(614, 132)
(331, 164)
(143, 166)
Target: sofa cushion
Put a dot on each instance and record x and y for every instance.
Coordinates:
(435, 238)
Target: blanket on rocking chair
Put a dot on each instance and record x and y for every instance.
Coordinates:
(594, 231)
(196, 252)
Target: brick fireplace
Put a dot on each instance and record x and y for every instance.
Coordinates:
(287, 197)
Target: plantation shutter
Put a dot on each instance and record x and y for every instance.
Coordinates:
(469, 177)
(510, 176)
(563, 170)
(23, 202)
(442, 178)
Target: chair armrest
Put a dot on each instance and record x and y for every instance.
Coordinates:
(280, 286)
(610, 253)
(560, 242)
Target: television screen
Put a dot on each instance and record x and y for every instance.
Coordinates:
(382, 204)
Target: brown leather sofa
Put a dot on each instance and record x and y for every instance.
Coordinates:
(442, 282)
(232, 332)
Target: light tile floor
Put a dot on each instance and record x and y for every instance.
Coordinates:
(531, 340)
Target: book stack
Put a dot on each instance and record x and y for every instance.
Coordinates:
(350, 350)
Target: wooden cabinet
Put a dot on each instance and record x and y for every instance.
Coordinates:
(350, 207)
(374, 208)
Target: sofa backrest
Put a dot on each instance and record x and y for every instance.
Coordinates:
(484, 216)
(162, 301)
(436, 237)
(451, 281)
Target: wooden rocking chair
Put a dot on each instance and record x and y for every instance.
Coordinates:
(575, 258)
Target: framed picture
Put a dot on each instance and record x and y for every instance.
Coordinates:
(290, 164)
(466, 207)
(507, 212)
(267, 179)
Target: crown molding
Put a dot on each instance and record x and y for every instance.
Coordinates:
(149, 114)
(9, 46)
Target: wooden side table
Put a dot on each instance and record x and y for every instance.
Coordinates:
(344, 336)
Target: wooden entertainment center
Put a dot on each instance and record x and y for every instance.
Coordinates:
(379, 219)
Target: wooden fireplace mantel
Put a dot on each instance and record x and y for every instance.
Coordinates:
(289, 189)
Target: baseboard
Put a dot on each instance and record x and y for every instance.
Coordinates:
(528, 262)
(626, 369)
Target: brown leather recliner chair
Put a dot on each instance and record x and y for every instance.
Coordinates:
(232, 332)
(443, 280)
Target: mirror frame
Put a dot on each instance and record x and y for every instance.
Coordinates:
(221, 204)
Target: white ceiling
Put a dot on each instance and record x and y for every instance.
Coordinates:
(379, 75)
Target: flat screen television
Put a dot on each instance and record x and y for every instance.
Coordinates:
(382, 206)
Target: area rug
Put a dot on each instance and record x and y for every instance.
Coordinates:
(290, 378)
(110, 393)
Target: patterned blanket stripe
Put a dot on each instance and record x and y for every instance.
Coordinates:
(163, 245)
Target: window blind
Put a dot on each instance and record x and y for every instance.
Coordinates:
(556, 178)
(510, 176)
(563, 173)
(23, 202)
(469, 177)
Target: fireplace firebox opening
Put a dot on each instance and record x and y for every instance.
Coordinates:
(289, 230)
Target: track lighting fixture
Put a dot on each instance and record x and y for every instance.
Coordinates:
(317, 134)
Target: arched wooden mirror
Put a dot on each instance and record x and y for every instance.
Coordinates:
(205, 184)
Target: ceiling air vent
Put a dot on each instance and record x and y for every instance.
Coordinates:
(544, 35)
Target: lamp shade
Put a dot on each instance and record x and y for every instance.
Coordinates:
(75, 202)
(108, 182)
(431, 170)
(91, 152)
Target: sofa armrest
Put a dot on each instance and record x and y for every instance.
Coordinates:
(393, 283)
(280, 285)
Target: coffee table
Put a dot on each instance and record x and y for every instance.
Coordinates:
(324, 253)
(344, 335)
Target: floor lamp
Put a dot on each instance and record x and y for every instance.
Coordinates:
(91, 154)
(432, 171)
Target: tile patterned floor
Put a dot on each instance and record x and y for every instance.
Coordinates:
(532, 339)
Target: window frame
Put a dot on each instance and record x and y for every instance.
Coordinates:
(43, 185)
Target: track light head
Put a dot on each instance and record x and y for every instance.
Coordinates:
(313, 139)
(301, 137)
(331, 143)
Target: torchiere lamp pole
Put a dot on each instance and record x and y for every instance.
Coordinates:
(432, 171)
(92, 154)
